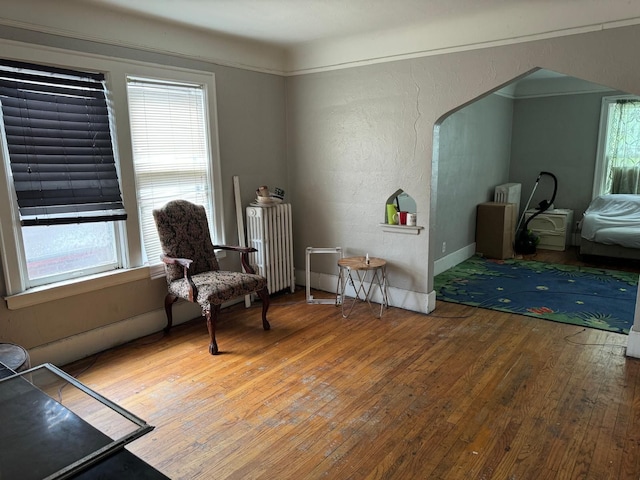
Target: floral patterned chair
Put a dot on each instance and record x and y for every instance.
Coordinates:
(192, 269)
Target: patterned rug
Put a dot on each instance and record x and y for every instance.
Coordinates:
(590, 297)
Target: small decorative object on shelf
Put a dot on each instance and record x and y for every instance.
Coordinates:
(400, 214)
(265, 198)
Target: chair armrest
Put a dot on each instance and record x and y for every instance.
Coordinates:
(235, 248)
(244, 255)
(185, 263)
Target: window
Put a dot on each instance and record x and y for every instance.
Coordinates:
(113, 252)
(170, 150)
(618, 159)
(56, 137)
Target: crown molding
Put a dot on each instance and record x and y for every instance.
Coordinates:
(115, 28)
(181, 42)
(359, 50)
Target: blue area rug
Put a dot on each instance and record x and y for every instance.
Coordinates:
(590, 297)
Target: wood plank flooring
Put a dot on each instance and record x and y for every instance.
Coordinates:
(462, 393)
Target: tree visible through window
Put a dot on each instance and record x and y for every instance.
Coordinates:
(618, 166)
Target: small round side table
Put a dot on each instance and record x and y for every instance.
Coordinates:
(376, 272)
(15, 357)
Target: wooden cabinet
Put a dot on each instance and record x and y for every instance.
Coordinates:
(495, 229)
(552, 227)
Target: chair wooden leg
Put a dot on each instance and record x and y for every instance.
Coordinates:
(169, 300)
(211, 316)
(264, 296)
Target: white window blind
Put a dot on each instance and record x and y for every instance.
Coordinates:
(171, 153)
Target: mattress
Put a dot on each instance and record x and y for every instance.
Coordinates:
(613, 220)
(625, 236)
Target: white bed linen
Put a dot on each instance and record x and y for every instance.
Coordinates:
(613, 220)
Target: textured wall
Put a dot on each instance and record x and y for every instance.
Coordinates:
(473, 157)
(353, 137)
(251, 121)
(558, 135)
(356, 135)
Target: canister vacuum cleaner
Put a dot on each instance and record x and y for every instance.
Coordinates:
(525, 242)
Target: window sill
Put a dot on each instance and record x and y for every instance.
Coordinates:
(406, 229)
(77, 286)
(57, 291)
(156, 271)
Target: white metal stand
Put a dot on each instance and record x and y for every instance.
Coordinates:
(310, 299)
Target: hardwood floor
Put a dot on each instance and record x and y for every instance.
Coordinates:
(462, 393)
(572, 256)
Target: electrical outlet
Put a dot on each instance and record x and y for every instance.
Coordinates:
(444, 247)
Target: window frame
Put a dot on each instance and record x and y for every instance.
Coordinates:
(60, 141)
(600, 172)
(26, 283)
(116, 71)
(155, 263)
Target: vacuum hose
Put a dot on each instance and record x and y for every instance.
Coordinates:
(525, 243)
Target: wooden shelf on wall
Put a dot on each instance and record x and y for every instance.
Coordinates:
(406, 229)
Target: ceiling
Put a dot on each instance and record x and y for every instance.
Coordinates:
(291, 37)
(293, 22)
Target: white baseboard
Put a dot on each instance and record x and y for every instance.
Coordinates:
(431, 301)
(70, 349)
(453, 259)
(633, 344)
(407, 299)
(76, 347)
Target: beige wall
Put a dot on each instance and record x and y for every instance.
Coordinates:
(354, 136)
(358, 134)
(252, 146)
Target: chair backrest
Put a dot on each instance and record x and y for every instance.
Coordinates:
(184, 233)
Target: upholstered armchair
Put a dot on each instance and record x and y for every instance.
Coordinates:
(192, 269)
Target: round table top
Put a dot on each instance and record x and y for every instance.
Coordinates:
(13, 356)
(360, 263)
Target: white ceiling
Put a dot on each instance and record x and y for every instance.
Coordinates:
(292, 22)
(299, 36)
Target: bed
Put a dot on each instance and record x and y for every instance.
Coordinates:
(610, 227)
